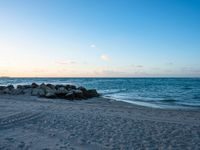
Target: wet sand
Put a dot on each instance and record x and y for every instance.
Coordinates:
(36, 123)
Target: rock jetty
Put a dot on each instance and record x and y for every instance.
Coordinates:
(69, 92)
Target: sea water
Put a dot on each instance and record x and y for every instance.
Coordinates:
(152, 92)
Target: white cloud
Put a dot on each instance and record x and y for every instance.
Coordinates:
(104, 57)
(137, 66)
(66, 62)
(92, 46)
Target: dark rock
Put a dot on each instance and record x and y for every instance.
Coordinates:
(38, 92)
(46, 88)
(6, 91)
(91, 93)
(84, 90)
(51, 86)
(10, 87)
(70, 87)
(59, 86)
(34, 85)
(26, 86)
(50, 95)
(61, 92)
(70, 95)
(19, 87)
(18, 91)
(78, 94)
(27, 91)
(2, 87)
(42, 85)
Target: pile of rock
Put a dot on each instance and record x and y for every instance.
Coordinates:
(70, 92)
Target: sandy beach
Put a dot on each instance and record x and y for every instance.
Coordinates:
(28, 122)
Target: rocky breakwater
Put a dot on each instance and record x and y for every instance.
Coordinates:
(69, 92)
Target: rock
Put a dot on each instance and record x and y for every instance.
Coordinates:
(61, 92)
(59, 86)
(18, 91)
(26, 86)
(6, 91)
(2, 88)
(50, 95)
(10, 87)
(38, 92)
(42, 85)
(79, 94)
(19, 87)
(84, 90)
(91, 93)
(51, 86)
(70, 95)
(34, 85)
(27, 91)
(47, 89)
(70, 87)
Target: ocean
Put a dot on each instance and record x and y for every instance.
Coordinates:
(151, 92)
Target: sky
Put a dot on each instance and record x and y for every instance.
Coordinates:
(100, 38)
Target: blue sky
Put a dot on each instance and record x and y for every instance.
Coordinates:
(105, 38)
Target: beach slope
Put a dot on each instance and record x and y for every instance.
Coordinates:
(28, 122)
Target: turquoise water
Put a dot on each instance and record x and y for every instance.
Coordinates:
(153, 92)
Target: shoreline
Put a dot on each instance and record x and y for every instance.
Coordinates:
(154, 105)
(97, 123)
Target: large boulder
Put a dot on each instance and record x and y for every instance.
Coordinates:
(50, 94)
(61, 92)
(84, 90)
(10, 87)
(51, 86)
(27, 91)
(26, 86)
(42, 85)
(70, 95)
(59, 86)
(18, 91)
(70, 87)
(34, 85)
(6, 91)
(91, 93)
(79, 94)
(38, 92)
(2, 87)
(20, 87)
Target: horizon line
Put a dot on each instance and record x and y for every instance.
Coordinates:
(1, 77)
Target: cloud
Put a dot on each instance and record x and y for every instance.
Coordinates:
(66, 62)
(137, 66)
(104, 57)
(92, 46)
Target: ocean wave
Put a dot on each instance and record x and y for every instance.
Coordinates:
(112, 91)
(168, 100)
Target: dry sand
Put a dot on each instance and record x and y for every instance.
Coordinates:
(37, 123)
